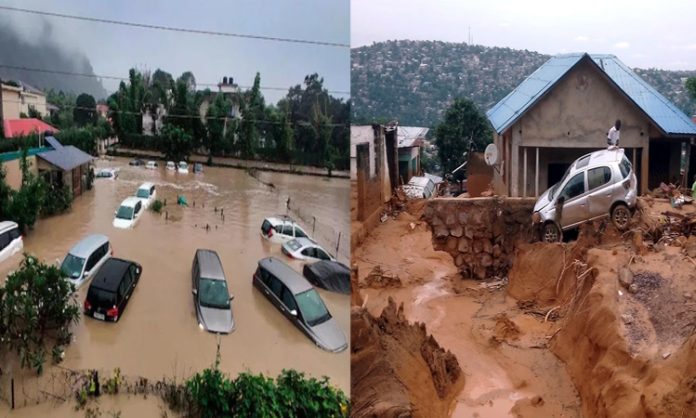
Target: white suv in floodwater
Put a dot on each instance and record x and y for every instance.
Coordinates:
(147, 194)
(11, 241)
(280, 229)
(596, 185)
(128, 213)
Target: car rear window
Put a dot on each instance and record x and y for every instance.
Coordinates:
(101, 298)
(265, 227)
(625, 167)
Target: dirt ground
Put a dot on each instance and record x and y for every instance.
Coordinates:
(603, 326)
(500, 349)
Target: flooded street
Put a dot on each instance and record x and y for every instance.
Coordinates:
(158, 334)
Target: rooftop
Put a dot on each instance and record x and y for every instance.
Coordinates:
(64, 157)
(411, 136)
(28, 126)
(662, 113)
(290, 278)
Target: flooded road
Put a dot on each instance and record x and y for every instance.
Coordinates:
(158, 334)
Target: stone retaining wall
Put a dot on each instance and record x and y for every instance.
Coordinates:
(480, 233)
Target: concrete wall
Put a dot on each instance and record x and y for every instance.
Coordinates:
(13, 171)
(576, 113)
(37, 101)
(11, 102)
(480, 233)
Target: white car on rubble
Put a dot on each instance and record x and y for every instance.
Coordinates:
(419, 188)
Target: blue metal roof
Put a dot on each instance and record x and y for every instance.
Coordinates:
(665, 115)
(66, 158)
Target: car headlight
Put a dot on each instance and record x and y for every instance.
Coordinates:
(536, 217)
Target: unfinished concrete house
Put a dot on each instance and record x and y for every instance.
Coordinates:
(564, 110)
(373, 173)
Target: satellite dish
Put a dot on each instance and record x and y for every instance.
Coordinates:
(491, 154)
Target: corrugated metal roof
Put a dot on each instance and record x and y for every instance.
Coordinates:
(408, 136)
(64, 157)
(665, 115)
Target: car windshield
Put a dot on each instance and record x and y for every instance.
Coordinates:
(144, 193)
(72, 266)
(312, 307)
(125, 212)
(554, 188)
(183, 165)
(213, 294)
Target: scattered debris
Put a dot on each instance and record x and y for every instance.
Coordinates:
(379, 279)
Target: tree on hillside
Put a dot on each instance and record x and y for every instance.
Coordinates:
(463, 127)
(85, 111)
(691, 86)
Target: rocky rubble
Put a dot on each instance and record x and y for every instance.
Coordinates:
(480, 233)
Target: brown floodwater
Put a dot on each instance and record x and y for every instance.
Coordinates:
(158, 334)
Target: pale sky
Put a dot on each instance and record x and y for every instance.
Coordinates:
(660, 34)
(112, 49)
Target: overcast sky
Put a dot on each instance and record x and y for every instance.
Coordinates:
(112, 49)
(659, 34)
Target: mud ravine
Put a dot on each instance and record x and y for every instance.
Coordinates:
(598, 327)
(158, 334)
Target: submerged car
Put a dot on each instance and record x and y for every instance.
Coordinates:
(330, 275)
(182, 167)
(210, 294)
(151, 165)
(280, 229)
(198, 168)
(419, 188)
(305, 249)
(128, 213)
(596, 185)
(85, 258)
(107, 173)
(147, 194)
(137, 162)
(111, 289)
(171, 166)
(11, 241)
(295, 297)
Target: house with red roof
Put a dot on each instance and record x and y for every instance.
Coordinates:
(24, 127)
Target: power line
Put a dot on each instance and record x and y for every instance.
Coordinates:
(174, 29)
(113, 77)
(127, 112)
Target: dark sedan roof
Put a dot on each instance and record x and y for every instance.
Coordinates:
(290, 278)
(109, 275)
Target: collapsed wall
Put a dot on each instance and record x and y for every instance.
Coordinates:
(480, 233)
(397, 369)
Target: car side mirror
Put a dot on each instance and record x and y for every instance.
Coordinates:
(115, 212)
(57, 262)
(231, 298)
(293, 312)
(86, 273)
(194, 291)
(560, 200)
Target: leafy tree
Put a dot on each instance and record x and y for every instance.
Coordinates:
(33, 113)
(85, 111)
(37, 307)
(24, 205)
(463, 127)
(176, 143)
(691, 87)
(217, 124)
(252, 116)
(5, 194)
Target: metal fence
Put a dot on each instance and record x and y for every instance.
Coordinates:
(336, 242)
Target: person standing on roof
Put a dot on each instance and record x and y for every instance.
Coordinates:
(613, 134)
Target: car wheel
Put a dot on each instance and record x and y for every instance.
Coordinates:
(550, 233)
(621, 216)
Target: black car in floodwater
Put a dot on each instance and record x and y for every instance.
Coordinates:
(111, 289)
(297, 299)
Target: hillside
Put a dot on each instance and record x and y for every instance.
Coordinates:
(413, 81)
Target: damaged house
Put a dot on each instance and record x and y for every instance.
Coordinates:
(564, 110)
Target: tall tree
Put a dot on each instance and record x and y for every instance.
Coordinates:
(85, 111)
(691, 86)
(463, 127)
(252, 114)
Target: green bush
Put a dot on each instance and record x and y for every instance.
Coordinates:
(57, 200)
(37, 307)
(290, 395)
(157, 206)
